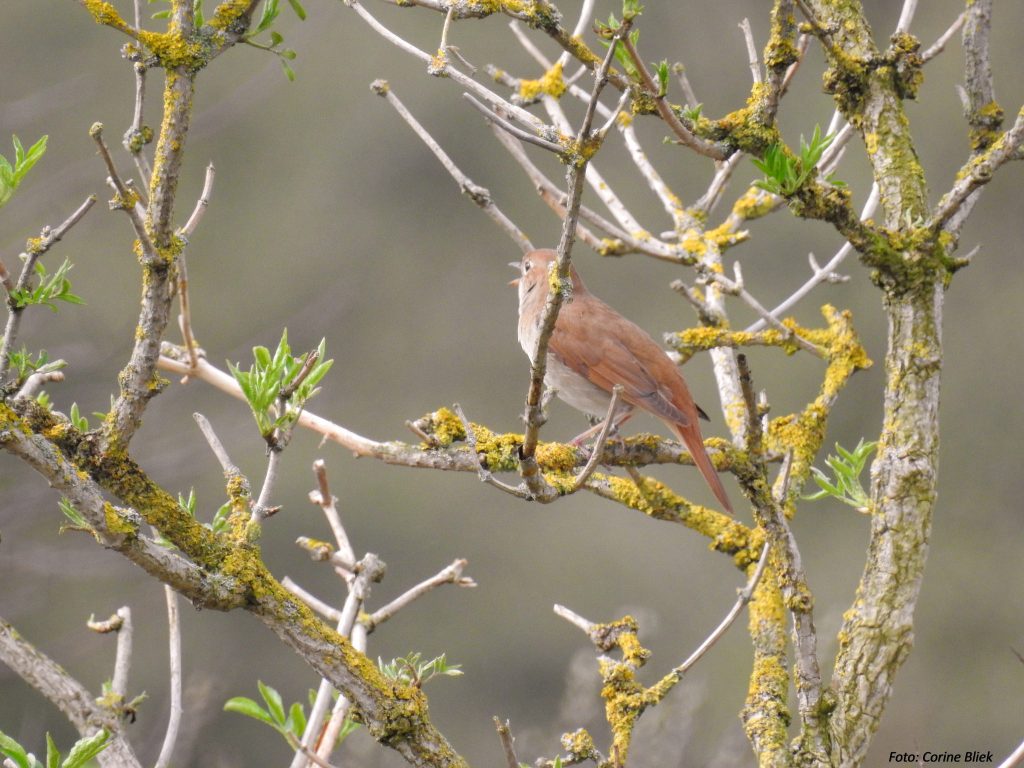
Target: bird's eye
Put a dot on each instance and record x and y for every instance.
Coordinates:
(527, 265)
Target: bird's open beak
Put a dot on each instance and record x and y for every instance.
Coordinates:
(515, 265)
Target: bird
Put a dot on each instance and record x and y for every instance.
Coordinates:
(594, 348)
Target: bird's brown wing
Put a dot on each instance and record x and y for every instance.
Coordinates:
(605, 360)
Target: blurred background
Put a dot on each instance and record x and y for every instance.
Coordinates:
(329, 218)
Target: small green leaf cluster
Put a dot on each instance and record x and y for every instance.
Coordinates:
(75, 520)
(81, 753)
(278, 386)
(412, 670)
(12, 174)
(268, 14)
(219, 524)
(290, 723)
(24, 364)
(845, 484)
(785, 174)
(607, 31)
(51, 288)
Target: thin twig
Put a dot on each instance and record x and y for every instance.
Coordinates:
(574, 618)
(262, 509)
(215, 444)
(185, 315)
(515, 130)
(745, 596)
(485, 475)
(507, 743)
(327, 502)
(123, 657)
(556, 198)
(755, 63)
(201, 204)
(174, 641)
(479, 195)
(35, 382)
(1015, 759)
(602, 437)
(534, 414)
(736, 288)
(823, 274)
(461, 79)
(906, 16)
(452, 574)
(314, 602)
(940, 44)
(127, 200)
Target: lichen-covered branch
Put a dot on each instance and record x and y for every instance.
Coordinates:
(72, 698)
(222, 572)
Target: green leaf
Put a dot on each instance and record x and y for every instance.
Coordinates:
(273, 700)
(78, 421)
(349, 727)
(12, 175)
(52, 753)
(75, 518)
(296, 722)
(661, 72)
(845, 484)
(269, 13)
(243, 705)
(299, 10)
(86, 749)
(13, 750)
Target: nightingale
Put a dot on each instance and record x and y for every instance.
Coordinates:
(593, 348)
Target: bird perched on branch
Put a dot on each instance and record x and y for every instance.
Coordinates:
(593, 348)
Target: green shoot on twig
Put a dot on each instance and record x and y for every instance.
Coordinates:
(845, 484)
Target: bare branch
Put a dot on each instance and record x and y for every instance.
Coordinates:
(940, 44)
(977, 172)
(452, 574)
(463, 80)
(735, 287)
(602, 437)
(744, 596)
(323, 498)
(1015, 759)
(201, 204)
(507, 743)
(823, 274)
(126, 200)
(72, 698)
(229, 467)
(314, 602)
(479, 195)
(174, 643)
(755, 63)
(515, 130)
(534, 414)
(123, 658)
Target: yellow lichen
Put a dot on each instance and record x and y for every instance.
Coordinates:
(551, 83)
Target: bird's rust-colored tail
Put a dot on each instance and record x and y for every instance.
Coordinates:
(691, 437)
